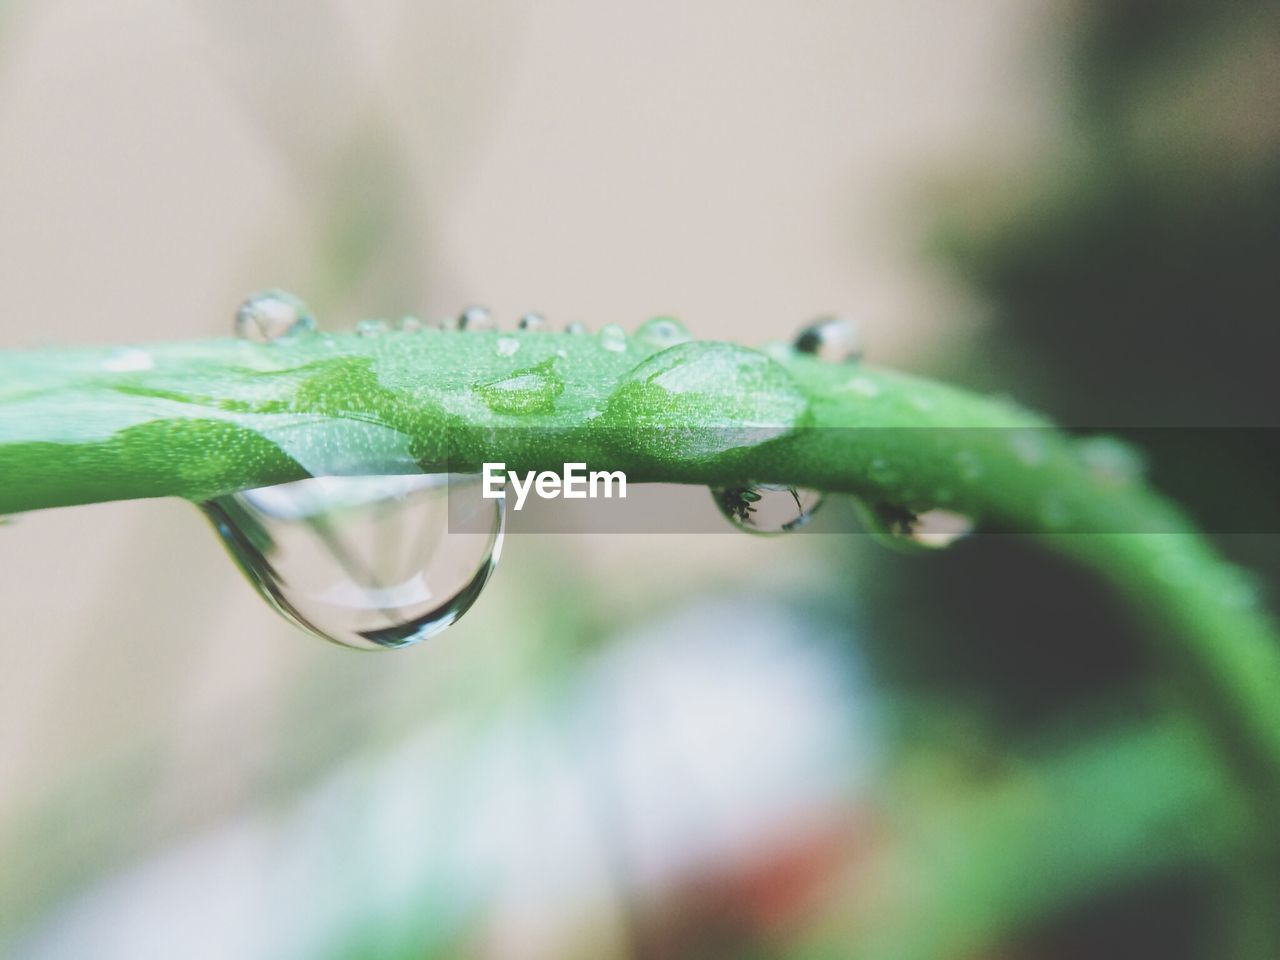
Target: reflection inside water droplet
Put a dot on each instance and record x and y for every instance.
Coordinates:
(273, 315)
(928, 530)
(831, 339)
(767, 507)
(367, 562)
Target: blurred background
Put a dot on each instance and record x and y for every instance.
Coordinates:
(634, 746)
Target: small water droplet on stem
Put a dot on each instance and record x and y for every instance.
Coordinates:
(662, 332)
(830, 339)
(271, 316)
(613, 338)
(476, 318)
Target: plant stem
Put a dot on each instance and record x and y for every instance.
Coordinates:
(202, 419)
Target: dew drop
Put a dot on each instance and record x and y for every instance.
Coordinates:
(863, 387)
(476, 318)
(736, 398)
(533, 390)
(1239, 591)
(938, 529)
(576, 329)
(1055, 512)
(969, 464)
(367, 562)
(372, 328)
(507, 346)
(904, 529)
(128, 360)
(409, 324)
(1111, 461)
(613, 338)
(882, 471)
(921, 402)
(1028, 446)
(273, 315)
(831, 339)
(766, 507)
(533, 321)
(662, 332)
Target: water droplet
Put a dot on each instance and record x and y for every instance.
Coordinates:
(920, 402)
(767, 507)
(701, 399)
(969, 465)
(881, 470)
(831, 339)
(372, 328)
(1176, 568)
(863, 387)
(533, 321)
(368, 562)
(476, 318)
(576, 329)
(409, 324)
(507, 346)
(273, 315)
(1239, 591)
(662, 332)
(533, 390)
(128, 360)
(904, 529)
(613, 338)
(1055, 512)
(1111, 461)
(1028, 445)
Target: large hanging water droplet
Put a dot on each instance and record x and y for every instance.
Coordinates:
(368, 562)
(831, 339)
(767, 507)
(904, 529)
(662, 332)
(273, 315)
(533, 390)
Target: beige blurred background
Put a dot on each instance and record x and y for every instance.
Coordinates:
(741, 166)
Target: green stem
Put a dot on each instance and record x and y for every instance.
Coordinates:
(198, 420)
